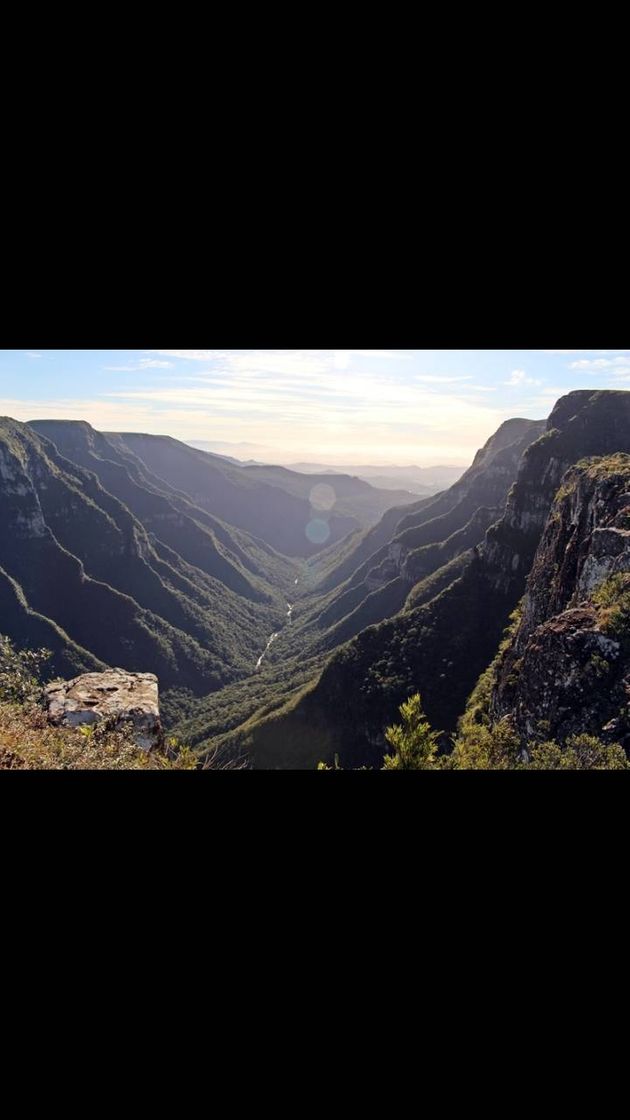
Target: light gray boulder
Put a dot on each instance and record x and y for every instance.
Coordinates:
(115, 697)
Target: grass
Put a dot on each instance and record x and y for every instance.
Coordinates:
(28, 742)
(612, 600)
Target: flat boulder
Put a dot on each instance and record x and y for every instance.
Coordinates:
(115, 697)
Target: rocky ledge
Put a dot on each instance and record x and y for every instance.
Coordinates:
(115, 698)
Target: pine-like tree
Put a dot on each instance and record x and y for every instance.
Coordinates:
(414, 744)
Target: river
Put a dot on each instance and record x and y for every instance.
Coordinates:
(268, 647)
(274, 636)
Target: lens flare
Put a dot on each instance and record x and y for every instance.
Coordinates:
(318, 531)
(323, 497)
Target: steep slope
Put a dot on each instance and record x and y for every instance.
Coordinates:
(485, 484)
(441, 647)
(431, 536)
(77, 557)
(219, 550)
(35, 631)
(283, 520)
(566, 671)
(385, 590)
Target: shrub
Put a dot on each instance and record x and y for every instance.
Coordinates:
(582, 752)
(20, 673)
(479, 747)
(415, 744)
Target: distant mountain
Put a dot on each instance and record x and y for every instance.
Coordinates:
(235, 452)
(270, 503)
(351, 496)
(422, 481)
(402, 482)
(411, 478)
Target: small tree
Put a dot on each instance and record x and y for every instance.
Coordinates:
(415, 745)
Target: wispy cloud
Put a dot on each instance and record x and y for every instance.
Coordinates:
(391, 405)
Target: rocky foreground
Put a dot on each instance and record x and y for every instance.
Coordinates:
(115, 698)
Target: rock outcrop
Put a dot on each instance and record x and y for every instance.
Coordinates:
(115, 698)
(567, 669)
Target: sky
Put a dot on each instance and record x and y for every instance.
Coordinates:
(354, 407)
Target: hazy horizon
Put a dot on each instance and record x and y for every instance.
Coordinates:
(262, 453)
(334, 407)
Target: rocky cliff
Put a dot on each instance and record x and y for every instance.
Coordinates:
(567, 669)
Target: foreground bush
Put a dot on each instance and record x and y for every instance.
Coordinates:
(28, 742)
(479, 746)
(20, 672)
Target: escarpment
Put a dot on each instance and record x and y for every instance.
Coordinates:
(567, 669)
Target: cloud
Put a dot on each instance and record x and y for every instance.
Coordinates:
(400, 406)
(142, 363)
(519, 378)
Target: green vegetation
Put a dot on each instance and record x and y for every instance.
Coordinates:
(20, 673)
(581, 752)
(612, 600)
(28, 742)
(477, 712)
(483, 747)
(415, 745)
(604, 466)
(81, 574)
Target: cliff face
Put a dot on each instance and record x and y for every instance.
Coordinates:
(431, 536)
(582, 424)
(432, 520)
(567, 669)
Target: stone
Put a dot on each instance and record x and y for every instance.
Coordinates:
(114, 697)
